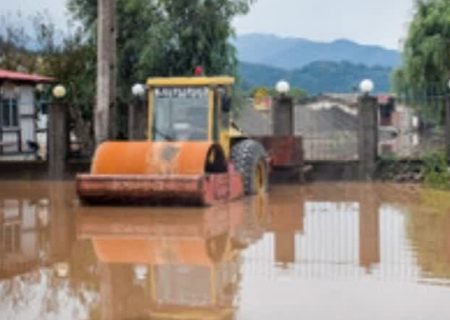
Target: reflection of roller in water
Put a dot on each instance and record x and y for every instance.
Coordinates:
(172, 264)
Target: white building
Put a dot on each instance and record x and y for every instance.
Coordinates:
(19, 115)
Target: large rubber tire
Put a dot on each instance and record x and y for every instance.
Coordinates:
(250, 159)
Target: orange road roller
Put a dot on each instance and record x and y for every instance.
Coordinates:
(193, 154)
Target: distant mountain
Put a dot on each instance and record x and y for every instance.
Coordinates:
(317, 77)
(295, 53)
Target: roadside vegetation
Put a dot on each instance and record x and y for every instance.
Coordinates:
(432, 170)
(422, 81)
(425, 72)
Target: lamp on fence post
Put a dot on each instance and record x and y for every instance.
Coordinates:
(283, 109)
(447, 123)
(137, 113)
(57, 135)
(367, 130)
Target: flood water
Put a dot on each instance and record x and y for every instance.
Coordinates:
(323, 251)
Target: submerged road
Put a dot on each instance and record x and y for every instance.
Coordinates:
(321, 251)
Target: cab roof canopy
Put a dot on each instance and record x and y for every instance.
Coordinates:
(190, 81)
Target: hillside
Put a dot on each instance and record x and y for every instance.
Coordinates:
(295, 53)
(317, 77)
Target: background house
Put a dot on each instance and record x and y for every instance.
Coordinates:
(21, 229)
(19, 115)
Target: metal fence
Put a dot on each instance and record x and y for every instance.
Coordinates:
(341, 242)
(329, 128)
(339, 146)
(416, 127)
(10, 141)
(410, 126)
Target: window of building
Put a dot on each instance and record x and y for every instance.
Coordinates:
(11, 237)
(8, 112)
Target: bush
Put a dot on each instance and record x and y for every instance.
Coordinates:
(437, 174)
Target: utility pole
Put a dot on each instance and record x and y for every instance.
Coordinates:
(105, 108)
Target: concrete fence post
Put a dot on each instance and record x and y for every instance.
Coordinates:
(367, 137)
(283, 116)
(57, 138)
(137, 119)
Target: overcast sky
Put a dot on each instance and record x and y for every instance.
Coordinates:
(382, 22)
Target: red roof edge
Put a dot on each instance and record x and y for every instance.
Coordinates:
(24, 77)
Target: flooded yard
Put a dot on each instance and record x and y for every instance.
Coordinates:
(322, 251)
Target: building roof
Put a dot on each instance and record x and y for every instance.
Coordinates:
(350, 99)
(323, 121)
(254, 122)
(23, 77)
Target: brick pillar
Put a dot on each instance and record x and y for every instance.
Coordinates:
(283, 116)
(57, 137)
(367, 136)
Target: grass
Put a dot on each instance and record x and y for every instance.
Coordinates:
(436, 171)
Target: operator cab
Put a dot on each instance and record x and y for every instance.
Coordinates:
(189, 109)
(180, 114)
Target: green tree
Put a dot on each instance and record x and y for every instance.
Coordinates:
(14, 54)
(71, 59)
(139, 41)
(167, 37)
(426, 59)
(155, 38)
(67, 57)
(200, 33)
(298, 94)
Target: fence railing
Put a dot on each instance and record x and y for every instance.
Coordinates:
(420, 127)
(10, 140)
(339, 146)
(339, 242)
(411, 127)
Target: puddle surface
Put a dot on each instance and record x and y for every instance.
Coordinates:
(324, 251)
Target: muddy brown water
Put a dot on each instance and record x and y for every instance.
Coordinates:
(323, 251)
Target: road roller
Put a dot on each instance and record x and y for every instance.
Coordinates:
(193, 154)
